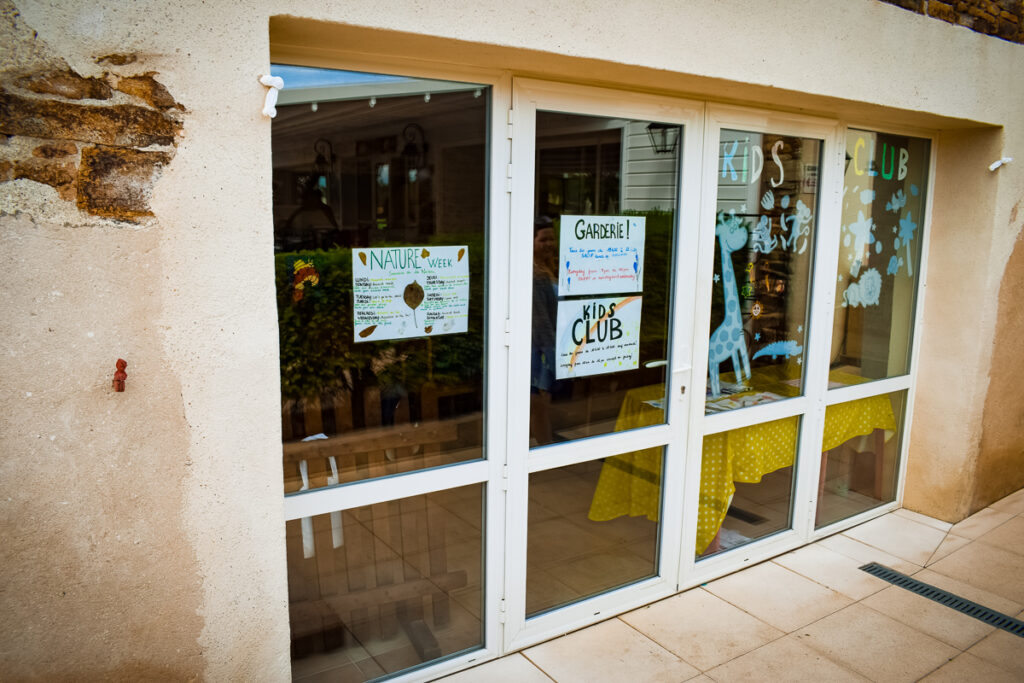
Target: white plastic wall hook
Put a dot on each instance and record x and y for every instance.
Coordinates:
(274, 84)
(996, 164)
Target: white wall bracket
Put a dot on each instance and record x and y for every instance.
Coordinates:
(996, 164)
(274, 84)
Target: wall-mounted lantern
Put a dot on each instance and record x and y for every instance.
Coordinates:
(664, 137)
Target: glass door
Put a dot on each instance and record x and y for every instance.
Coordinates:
(383, 207)
(769, 185)
(602, 255)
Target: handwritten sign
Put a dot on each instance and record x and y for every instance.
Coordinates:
(601, 255)
(404, 292)
(597, 336)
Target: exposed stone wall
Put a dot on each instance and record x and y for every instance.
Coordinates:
(1000, 18)
(100, 141)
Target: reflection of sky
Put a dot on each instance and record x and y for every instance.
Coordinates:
(309, 77)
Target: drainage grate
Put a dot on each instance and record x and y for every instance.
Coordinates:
(971, 609)
(745, 515)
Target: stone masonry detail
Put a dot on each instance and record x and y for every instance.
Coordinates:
(1001, 18)
(101, 142)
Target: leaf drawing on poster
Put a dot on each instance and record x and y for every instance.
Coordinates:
(413, 297)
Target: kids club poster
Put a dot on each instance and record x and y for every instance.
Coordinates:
(600, 254)
(404, 292)
(597, 336)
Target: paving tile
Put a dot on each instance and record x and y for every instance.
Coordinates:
(864, 553)
(1013, 503)
(1009, 535)
(927, 616)
(875, 645)
(899, 536)
(923, 519)
(511, 669)
(555, 540)
(987, 567)
(609, 651)
(778, 596)
(1003, 649)
(701, 628)
(602, 570)
(544, 590)
(346, 673)
(785, 659)
(950, 544)
(967, 667)
(980, 522)
(832, 569)
(966, 590)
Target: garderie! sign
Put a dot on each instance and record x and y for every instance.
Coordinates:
(600, 254)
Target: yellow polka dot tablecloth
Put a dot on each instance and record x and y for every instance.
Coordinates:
(630, 484)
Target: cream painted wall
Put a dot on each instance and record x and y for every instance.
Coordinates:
(185, 466)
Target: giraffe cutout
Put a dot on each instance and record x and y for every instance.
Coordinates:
(728, 340)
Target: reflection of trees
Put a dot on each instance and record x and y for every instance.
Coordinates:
(319, 358)
(655, 313)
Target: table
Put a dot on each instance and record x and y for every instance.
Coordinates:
(630, 484)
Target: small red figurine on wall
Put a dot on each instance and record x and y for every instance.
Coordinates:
(120, 376)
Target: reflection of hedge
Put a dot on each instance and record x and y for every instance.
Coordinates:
(659, 250)
(318, 355)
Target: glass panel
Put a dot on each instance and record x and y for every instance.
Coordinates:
(379, 224)
(592, 527)
(603, 240)
(860, 456)
(764, 237)
(879, 256)
(746, 484)
(381, 588)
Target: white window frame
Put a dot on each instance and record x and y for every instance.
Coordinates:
(504, 472)
(529, 96)
(489, 471)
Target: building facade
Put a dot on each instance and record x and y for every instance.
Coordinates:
(353, 442)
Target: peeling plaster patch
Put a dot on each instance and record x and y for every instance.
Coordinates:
(49, 113)
(147, 89)
(117, 59)
(117, 183)
(66, 84)
(123, 125)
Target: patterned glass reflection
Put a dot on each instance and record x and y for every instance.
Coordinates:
(764, 240)
(879, 256)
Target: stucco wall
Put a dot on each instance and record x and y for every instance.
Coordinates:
(1001, 456)
(146, 526)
